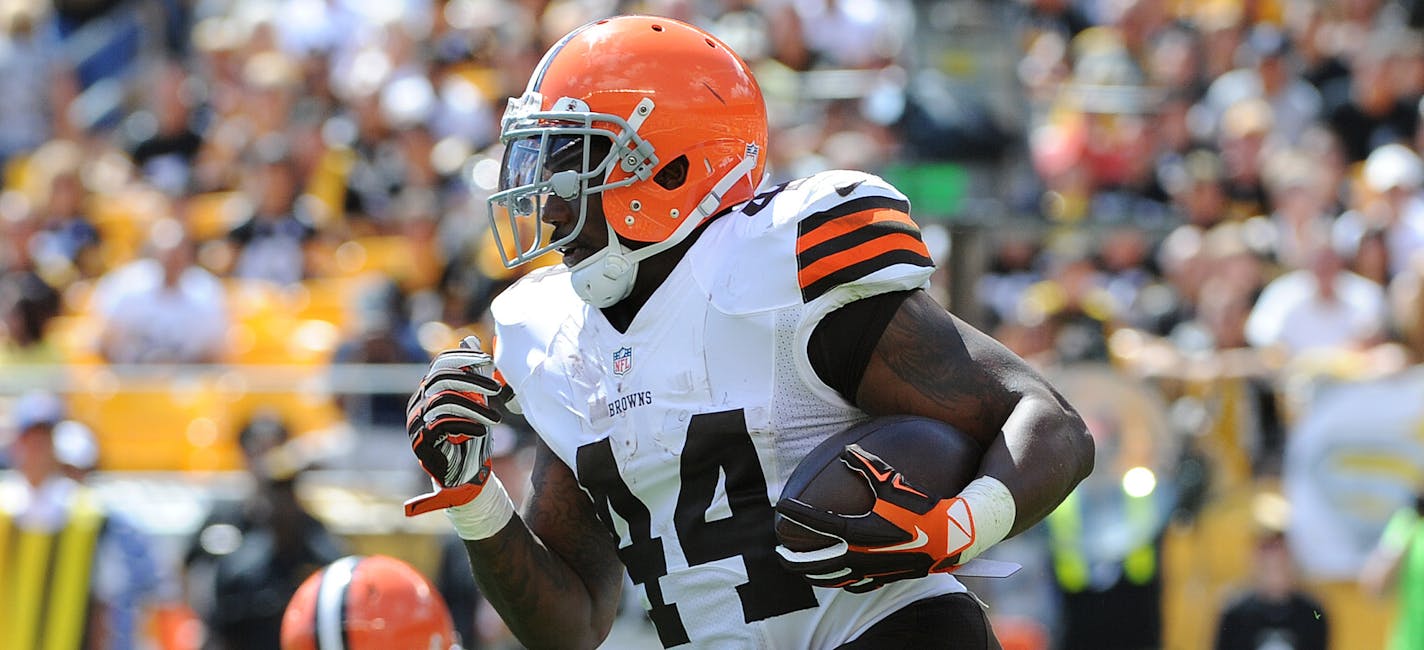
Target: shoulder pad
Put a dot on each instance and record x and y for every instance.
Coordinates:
(527, 316)
(842, 232)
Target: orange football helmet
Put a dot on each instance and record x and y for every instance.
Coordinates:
(683, 123)
(367, 603)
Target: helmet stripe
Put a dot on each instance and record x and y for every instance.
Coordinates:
(331, 603)
(537, 79)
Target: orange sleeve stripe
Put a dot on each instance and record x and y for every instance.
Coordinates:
(864, 252)
(849, 223)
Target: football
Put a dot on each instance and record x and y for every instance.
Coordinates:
(933, 456)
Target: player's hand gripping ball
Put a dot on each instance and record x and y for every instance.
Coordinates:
(875, 504)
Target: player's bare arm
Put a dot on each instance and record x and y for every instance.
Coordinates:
(930, 363)
(556, 580)
(553, 575)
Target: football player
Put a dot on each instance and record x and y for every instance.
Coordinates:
(698, 340)
(373, 602)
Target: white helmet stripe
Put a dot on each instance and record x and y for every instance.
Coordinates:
(537, 79)
(331, 603)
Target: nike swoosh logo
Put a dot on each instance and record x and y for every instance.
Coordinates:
(845, 190)
(920, 540)
(899, 482)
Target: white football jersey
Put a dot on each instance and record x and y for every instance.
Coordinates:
(684, 429)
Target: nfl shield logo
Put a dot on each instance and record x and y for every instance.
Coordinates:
(622, 361)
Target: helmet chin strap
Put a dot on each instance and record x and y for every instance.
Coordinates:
(606, 277)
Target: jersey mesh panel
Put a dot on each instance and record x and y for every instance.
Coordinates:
(801, 417)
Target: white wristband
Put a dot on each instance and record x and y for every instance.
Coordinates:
(484, 515)
(992, 508)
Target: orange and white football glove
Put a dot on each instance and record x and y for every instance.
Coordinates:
(908, 533)
(448, 420)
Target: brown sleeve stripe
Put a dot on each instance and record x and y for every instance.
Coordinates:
(814, 221)
(854, 239)
(850, 264)
(851, 231)
(875, 218)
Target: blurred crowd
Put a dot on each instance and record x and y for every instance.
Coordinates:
(1218, 177)
(1220, 188)
(161, 155)
(1227, 198)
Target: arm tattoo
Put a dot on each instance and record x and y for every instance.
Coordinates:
(948, 365)
(571, 560)
(931, 364)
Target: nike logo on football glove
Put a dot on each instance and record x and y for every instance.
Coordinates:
(908, 533)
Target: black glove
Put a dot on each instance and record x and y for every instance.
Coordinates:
(908, 533)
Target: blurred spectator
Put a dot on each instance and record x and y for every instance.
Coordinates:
(1012, 270)
(249, 557)
(24, 87)
(1317, 51)
(1122, 259)
(167, 137)
(271, 242)
(1320, 307)
(390, 162)
(1129, 190)
(1393, 177)
(1184, 268)
(95, 596)
(1172, 134)
(162, 308)
(1222, 25)
(66, 237)
(1396, 566)
(1231, 277)
(1072, 301)
(383, 335)
(1273, 612)
(1174, 62)
(1059, 16)
(1322, 147)
(28, 301)
(1241, 140)
(756, 30)
(1371, 258)
(1406, 297)
(27, 304)
(270, 83)
(1268, 75)
(1372, 115)
(1198, 188)
(1296, 188)
(854, 34)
